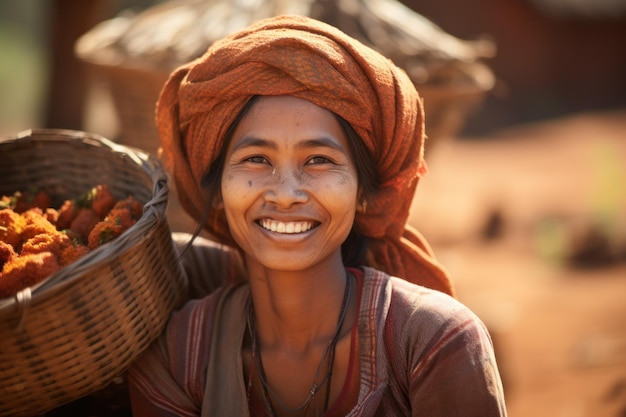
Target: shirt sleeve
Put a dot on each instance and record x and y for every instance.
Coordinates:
(153, 389)
(169, 378)
(452, 369)
(458, 376)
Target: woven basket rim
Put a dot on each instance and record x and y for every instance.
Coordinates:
(153, 210)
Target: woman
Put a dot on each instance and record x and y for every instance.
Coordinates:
(301, 149)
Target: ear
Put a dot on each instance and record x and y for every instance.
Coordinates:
(361, 202)
(218, 203)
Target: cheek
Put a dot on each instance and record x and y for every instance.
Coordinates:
(234, 203)
(344, 195)
(235, 191)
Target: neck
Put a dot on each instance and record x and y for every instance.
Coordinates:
(297, 310)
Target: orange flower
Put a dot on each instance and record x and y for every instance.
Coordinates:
(25, 271)
(67, 214)
(103, 201)
(6, 253)
(11, 226)
(84, 223)
(72, 253)
(36, 224)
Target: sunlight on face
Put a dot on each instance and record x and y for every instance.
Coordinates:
(289, 185)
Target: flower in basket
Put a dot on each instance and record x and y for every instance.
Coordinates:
(37, 240)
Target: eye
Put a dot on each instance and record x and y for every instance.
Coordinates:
(316, 160)
(256, 159)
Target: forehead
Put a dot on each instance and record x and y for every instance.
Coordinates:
(277, 117)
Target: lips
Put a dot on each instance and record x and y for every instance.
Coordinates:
(286, 227)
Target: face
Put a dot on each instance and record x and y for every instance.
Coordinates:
(289, 185)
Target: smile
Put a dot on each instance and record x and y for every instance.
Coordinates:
(288, 228)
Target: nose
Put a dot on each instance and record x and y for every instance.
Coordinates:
(286, 187)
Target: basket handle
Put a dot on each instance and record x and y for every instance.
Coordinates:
(159, 188)
(151, 165)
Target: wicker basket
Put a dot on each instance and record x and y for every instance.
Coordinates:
(134, 93)
(79, 329)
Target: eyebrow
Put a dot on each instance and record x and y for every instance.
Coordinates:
(251, 141)
(323, 142)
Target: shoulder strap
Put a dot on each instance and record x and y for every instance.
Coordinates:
(225, 393)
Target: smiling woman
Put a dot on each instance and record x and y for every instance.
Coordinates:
(301, 149)
(296, 156)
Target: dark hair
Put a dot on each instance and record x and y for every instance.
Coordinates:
(213, 177)
(354, 248)
(363, 161)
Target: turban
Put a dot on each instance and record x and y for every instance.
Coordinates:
(311, 60)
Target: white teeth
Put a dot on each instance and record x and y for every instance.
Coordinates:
(288, 228)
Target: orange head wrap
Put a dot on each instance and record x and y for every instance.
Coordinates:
(305, 58)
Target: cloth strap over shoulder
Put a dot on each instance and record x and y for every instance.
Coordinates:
(225, 393)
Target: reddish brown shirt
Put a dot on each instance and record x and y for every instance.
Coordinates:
(421, 353)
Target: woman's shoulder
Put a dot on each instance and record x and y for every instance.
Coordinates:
(425, 322)
(194, 318)
(416, 305)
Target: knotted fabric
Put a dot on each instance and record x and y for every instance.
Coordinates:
(305, 58)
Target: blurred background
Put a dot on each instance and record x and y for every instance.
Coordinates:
(525, 202)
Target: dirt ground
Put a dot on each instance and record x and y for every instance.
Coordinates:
(531, 223)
